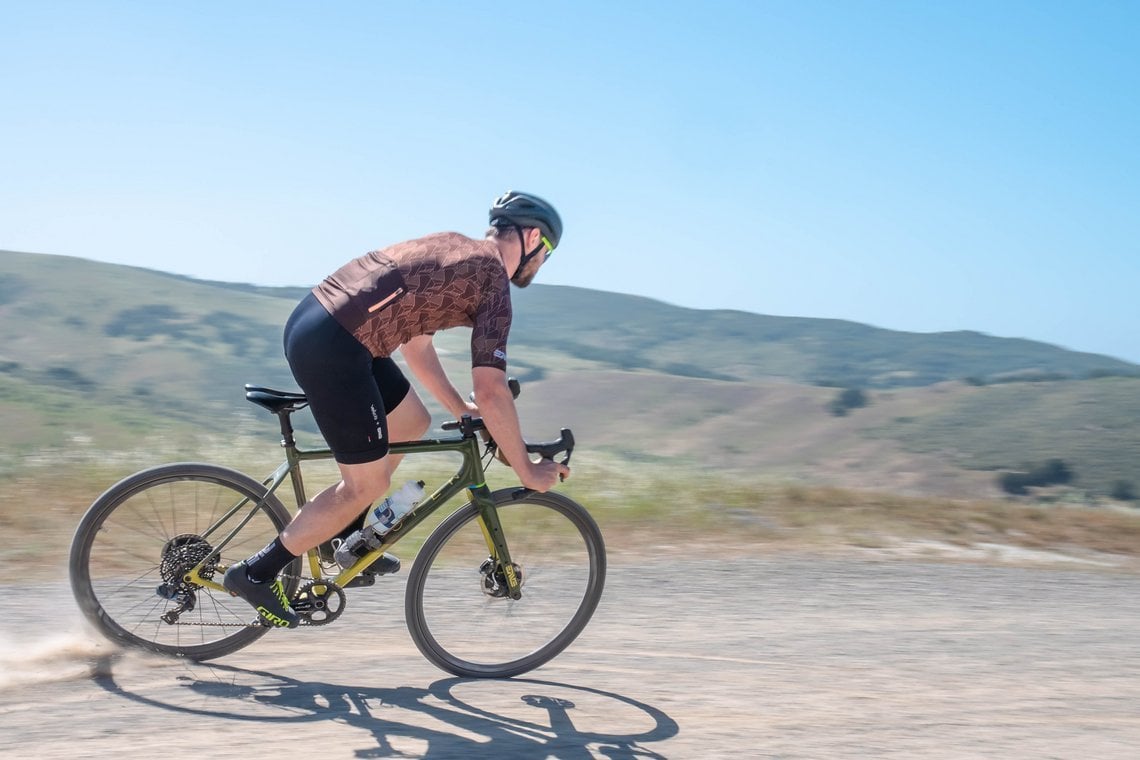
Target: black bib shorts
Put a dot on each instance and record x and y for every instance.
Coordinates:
(350, 392)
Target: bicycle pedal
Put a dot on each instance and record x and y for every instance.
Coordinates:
(364, 579)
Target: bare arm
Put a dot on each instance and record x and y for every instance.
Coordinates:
(497, 406)
(419, 353)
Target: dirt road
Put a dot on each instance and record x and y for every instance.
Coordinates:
(784, 657)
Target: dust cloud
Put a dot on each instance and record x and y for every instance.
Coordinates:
(64, 656)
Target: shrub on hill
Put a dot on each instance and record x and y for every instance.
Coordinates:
(143, 322)
(1123, 490)
(67, 377)
(1049, 473)
(848, 399)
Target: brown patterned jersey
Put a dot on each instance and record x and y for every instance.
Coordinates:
(387, 297)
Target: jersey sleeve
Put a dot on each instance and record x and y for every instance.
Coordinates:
(492, 325)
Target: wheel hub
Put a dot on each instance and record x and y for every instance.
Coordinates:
(494, 580)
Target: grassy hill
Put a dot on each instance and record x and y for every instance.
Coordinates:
(101, 357)
(631, 333)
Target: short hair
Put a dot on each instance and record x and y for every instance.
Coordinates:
(499, 232)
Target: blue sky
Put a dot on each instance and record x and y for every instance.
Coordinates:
(921, 166)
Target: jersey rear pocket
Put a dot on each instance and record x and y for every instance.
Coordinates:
(386, 288)
(387, 300)
(382, 288)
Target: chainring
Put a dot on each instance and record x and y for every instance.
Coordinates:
(319, 602)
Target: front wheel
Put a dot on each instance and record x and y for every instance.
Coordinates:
(457, 610)
(136, 543)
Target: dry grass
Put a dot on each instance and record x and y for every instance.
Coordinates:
(645, 507)
(666, 507)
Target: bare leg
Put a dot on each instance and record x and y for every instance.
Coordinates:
(407, 422)
(361, 484)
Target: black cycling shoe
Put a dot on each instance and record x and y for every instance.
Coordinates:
(385, 564)
(267, 598)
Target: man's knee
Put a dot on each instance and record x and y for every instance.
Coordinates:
(366, 482)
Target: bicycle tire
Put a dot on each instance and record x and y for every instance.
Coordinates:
(138, 537)
(465, 631)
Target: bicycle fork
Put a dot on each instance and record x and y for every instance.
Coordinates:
(497, 546)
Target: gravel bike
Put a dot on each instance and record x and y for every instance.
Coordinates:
(502, 584)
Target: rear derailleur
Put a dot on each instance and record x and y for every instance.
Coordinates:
(180, 555)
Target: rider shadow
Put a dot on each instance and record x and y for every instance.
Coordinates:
(543, 722)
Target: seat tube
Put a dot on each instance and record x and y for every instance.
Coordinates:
(294, 463)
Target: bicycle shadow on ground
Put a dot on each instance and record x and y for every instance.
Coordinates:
(519, 717)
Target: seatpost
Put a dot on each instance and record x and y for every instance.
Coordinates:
(287, 440)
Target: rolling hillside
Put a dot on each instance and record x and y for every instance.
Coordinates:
(631, 333)
(108, 356)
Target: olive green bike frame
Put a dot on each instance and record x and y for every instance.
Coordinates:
(470, 476)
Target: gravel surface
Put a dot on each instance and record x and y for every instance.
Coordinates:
(782, 657)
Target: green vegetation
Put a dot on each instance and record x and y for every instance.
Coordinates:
(632, 333)
(1093, 425)
(1123, 490)
(712, 426)
(851, 398)
(640, 506)
(95, 357)
(1051, 473)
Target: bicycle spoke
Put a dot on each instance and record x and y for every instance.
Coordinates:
(555, 549)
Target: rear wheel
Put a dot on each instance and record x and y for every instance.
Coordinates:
(456, 605)
(137, 541)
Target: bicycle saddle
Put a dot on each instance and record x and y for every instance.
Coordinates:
(275, 401)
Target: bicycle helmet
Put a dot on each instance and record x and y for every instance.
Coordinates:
(512, 209)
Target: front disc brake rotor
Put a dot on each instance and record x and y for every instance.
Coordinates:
(494, 581)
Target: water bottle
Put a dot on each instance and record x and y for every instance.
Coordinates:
(387, 513)
(379, 521)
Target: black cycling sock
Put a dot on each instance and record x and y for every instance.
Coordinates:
(267, 563)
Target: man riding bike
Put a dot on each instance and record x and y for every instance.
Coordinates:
(339, 341)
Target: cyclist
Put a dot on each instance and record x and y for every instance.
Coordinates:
(339, 342)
